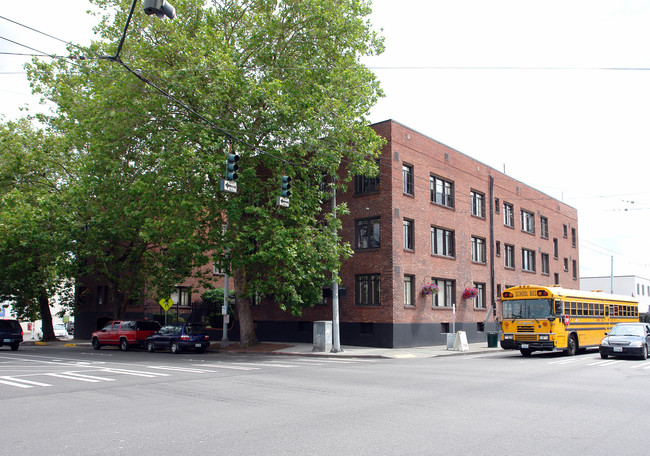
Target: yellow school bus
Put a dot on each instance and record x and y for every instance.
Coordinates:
(537, 318)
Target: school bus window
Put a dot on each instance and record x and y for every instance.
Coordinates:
(559, 309)
(573, 308)
(591, 309)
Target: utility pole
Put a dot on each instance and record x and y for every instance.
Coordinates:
(224, 310)
(336, 335)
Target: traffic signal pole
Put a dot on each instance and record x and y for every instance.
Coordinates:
(336, 335)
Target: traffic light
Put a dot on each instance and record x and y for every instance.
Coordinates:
(285, 192)
(286, 186)
(229, 183)
(160, 8)
(232, 167)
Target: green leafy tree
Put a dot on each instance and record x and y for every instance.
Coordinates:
(279, 83)
(34, 222)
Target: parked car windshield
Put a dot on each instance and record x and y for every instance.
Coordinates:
(626, 330)
(170, 329)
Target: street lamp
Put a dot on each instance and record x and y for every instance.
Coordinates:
(160, 8)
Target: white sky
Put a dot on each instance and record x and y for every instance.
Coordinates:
(525, 86)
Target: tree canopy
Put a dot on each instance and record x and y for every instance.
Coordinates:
(279, 83)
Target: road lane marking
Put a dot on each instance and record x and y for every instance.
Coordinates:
(20, 382)
(135, 373)
(230, 366)
(182, 369)
(81, 377)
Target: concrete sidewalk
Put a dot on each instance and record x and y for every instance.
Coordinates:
(395, 353)
(305, 349)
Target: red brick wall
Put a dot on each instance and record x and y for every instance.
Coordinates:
(427, 157)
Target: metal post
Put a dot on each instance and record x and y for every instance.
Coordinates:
(224, 310)
(453, 321)
(336, 336)
(611, 276)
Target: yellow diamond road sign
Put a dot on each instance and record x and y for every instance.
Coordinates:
(166, 303)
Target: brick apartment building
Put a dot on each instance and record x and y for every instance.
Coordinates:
(432, 215)
(435, 215)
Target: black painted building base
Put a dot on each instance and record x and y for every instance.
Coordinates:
(383, 335)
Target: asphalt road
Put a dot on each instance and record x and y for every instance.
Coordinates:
(76, 401)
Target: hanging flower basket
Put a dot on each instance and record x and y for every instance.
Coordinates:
(470, 292)
(429, 289)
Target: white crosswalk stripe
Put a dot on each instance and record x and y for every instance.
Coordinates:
(81, 377)
(103, 372)
(21, 382)
(231, 366)
(134, 373)
(182, 369)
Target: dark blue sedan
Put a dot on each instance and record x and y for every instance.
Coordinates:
(188, 336)
(626, 339)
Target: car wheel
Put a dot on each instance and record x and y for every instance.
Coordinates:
(572, 345)
(150, 347)
(14, 347)
(124, 344)
(644, 352)
(96, 344)
(175, 348)
(603, 355)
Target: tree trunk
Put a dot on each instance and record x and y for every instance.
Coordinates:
(46, 316)
(247, 335)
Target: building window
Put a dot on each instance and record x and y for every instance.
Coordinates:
(565, 231)
(479, 299)
(528, 260)
(527, 221)
(556, 252)
(102, 295)
(575, 269)
(409, 290)
(364, 185)
(478, 203)
(478, 249)
(508, 215)
(442, 242)
(182, 296)
(367, 290)
(566, 264)
(446, 295)
(509, 254)
(545, 264)
(574, 240)
(442, 191)
(409, 243)
(543, 227)
(407, 178)
(367, 233)
(497, 248)
(497, 205)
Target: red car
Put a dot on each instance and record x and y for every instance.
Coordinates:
(125, 334)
